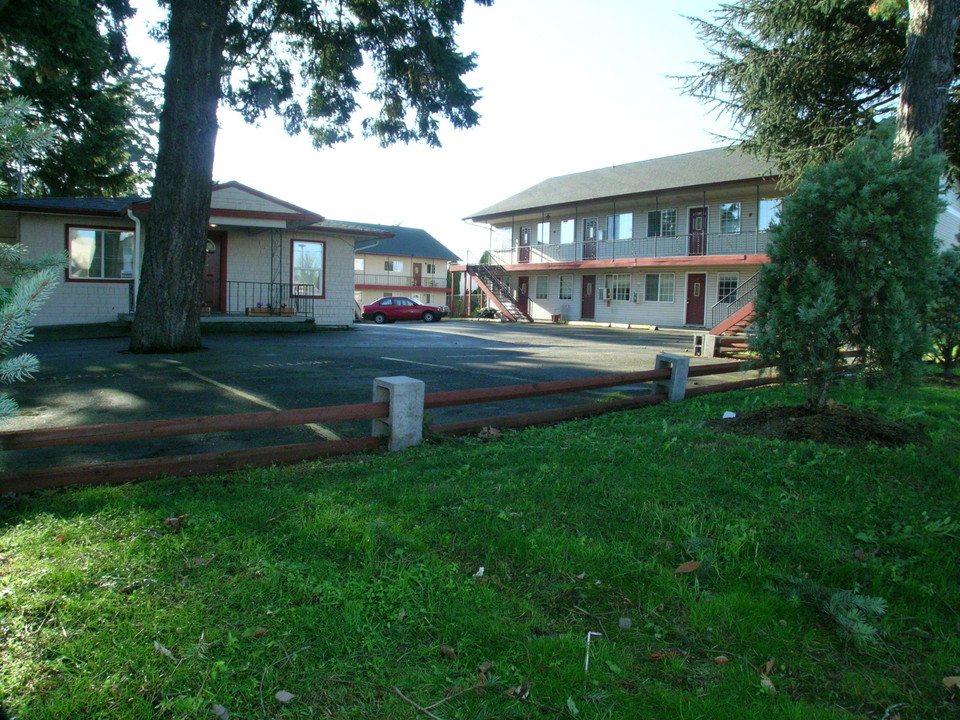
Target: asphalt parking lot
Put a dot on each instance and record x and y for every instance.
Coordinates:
(84, 382)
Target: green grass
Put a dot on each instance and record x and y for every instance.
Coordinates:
(339, 581)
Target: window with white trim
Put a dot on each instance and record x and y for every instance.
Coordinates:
(566, 287)
(568, 231)
(504, 237)
(543, 233)
(658, 287)
(100, 254)
(662, 223)
(540, 287)
(358, 264)
(730, 218)
(727, 284)
(431, 268)
(393, 265)
(769, 213)
(307, 266)
(618, 227)
(618, 287)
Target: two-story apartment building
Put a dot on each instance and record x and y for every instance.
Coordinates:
(668, 242)
(409, 262)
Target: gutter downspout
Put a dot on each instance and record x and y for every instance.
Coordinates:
(136, 258)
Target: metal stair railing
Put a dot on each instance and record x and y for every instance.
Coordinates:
(735, 300)
(496, 278)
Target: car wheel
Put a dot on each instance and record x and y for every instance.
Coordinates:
(379, 318)
(429, 316)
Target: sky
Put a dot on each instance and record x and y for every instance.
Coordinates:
(566, 85)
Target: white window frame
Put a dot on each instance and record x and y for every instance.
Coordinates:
(728, 226)
(319, 285)
(617, 286)
(660, 295)
(659, 214)
(81, 257)
(568, 231)
(543, 233)
(541, 287)
(614, 227)
(725, 277)
(569, 280)
(431, 268)
(393, 265)
(768, 213)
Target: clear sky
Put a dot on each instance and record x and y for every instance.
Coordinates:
(567, 86)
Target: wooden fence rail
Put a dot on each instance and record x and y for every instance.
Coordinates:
(201, 463)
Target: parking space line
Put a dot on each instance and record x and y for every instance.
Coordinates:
(321, 430)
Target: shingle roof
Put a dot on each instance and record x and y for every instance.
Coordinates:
(96, 206)
(412, 242)
(704, 167)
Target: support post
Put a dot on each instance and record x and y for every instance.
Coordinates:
(404, 424)
(676, 385)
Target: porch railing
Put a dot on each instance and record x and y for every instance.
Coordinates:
(399, 280)
(263, 298)
(751, 243)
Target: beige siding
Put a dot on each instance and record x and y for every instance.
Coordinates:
(237, 199)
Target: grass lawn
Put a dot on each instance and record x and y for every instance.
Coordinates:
(828, 584)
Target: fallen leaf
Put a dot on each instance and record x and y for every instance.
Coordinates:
(721, 660)
(951, 682)
(581, 576)
(860, 555)
(202, 561)
(659, 655)
(767, 684)
(768, 668)
(163, 651)
(485, 666)
(479, 572)
(174, 522)
(284, 697)
(221, 712)
(115, 690)
(625, 623)
(260, 632)
(688, 567)
(61, 537)
(572, 707)
(448, 652)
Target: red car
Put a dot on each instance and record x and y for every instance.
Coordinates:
(391, 309)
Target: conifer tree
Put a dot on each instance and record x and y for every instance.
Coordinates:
(945, 311)
(29, 282)
(851, 266)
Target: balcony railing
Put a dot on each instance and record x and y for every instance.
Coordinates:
(280, 299)
(752, 243)
(399, 280)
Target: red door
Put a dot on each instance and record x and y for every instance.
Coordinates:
(590, 239)
(417, 274)
(213, 270)
(696, 291)
(697, 229)
(523, 294)
(525, 233)
(588, 296)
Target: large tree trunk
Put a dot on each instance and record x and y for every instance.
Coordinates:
(927, 72)
(171, 280)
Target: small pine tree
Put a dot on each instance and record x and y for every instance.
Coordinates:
(29, 283)
(945, 311)
(851, 266)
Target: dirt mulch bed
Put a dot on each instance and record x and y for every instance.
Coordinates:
(837, 425)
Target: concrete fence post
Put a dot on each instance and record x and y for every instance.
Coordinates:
(676, 385)
(404, 424)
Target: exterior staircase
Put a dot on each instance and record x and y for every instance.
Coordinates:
(732, 317)
(494, 283)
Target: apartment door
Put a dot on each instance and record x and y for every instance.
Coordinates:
(590, 226)
(588, 296)
(523, 294)
(696, 297)
(417, 274)
(525, 233)
(214, 269)
(697, 230)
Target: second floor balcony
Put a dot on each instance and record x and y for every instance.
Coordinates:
(399, 280)
(698, 244)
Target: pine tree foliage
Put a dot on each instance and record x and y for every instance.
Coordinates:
(855, 615)
(803, 79)
(851, 266)
(945, 311)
